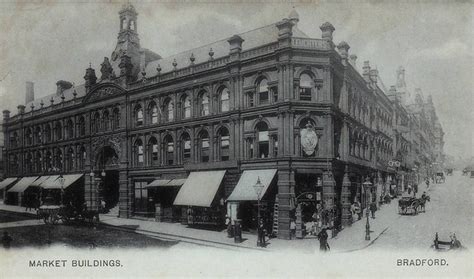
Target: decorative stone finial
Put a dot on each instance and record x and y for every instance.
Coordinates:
(174, 63)
(62, 97)
(51, 101)
(327, 29)
(74, 93)
(32, 106)
(343, 48)
(192, 58)
(211, 54)
(158, 69)
(294, 16)
(42, 104)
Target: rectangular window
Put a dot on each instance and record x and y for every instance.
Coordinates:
(140, 154)
(275, 147)
(140, 198)
(170, 151)
(275, 94)
(187, 151)
(205, 150)
(305, 94)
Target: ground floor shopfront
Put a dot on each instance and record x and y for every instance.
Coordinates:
(295, 198)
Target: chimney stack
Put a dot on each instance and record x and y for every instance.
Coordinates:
(30, 92)
(6, 115)
(61, 86)
(374, 74)
(366, 71)
(353, 59)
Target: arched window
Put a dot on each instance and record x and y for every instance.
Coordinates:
(96, 123)
(153, 151)
(58, 131)
(204, 103)
(116, 119)
(139, 152)
(169, 110)
(153, 111)
(29, 163)
(69, 129)
(186, 107)
(48, 161)
(82, 157)
(306, 86)
(58, 159)
(70, 159)
(204, 146)
(263, 140)
(169, 150)
(138, 116)
(186, 147)
(262, 90)
(38, 162)
(28, 136)
(224, 100)
(48, 133)
(224, 144)
(105, 120)
(38, 134)
(81, 126)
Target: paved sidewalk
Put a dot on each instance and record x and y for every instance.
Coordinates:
(350, 239)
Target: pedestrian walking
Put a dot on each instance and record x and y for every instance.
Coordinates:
(228, 223)
(261, 234)
(373, 208)
(323, 240)
(6, 240)
(292, 229)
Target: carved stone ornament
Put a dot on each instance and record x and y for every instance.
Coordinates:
(112, 141)
(309, 139)
(104, 93)
(106, 69)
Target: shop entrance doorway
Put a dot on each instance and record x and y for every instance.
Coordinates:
(107, 166)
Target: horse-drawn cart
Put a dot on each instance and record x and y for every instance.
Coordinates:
(408, 205)
(53, 214)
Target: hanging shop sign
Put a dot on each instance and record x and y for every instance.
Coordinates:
(309, 139)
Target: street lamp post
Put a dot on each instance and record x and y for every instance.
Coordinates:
(61, 180)
(258, 189)
(367, 184)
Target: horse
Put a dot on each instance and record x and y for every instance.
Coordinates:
(422, 201)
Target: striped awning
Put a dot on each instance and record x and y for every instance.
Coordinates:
(200, 188)
(49, 182)
(158, 183)
(245, 190)
(40, 180)
(7, 182)
(69, 179)
(22, 184)
(177, 182)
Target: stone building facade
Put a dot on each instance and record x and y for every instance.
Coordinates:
(270, 104)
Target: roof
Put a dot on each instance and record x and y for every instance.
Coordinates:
(68, 95)
(254, 38)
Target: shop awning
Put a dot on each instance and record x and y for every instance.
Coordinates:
(24, 183)
(48, 182)
(68, 180)
(245, 191)
(40, 180)
(200, 188)
(158, 183)
(7, 182)
(177, 182)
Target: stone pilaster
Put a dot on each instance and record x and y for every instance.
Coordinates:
(345, 199)
(285, 194)
(328, 189)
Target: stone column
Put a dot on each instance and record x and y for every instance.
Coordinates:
(328, 189)
(345, 199)
(285, 194)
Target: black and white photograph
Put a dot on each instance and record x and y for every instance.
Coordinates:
(245, 139)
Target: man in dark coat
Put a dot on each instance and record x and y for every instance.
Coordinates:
(373, 208)
(261, 233)
(6, 240)
(323, 240)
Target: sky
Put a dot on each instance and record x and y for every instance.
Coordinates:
(46, 41)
